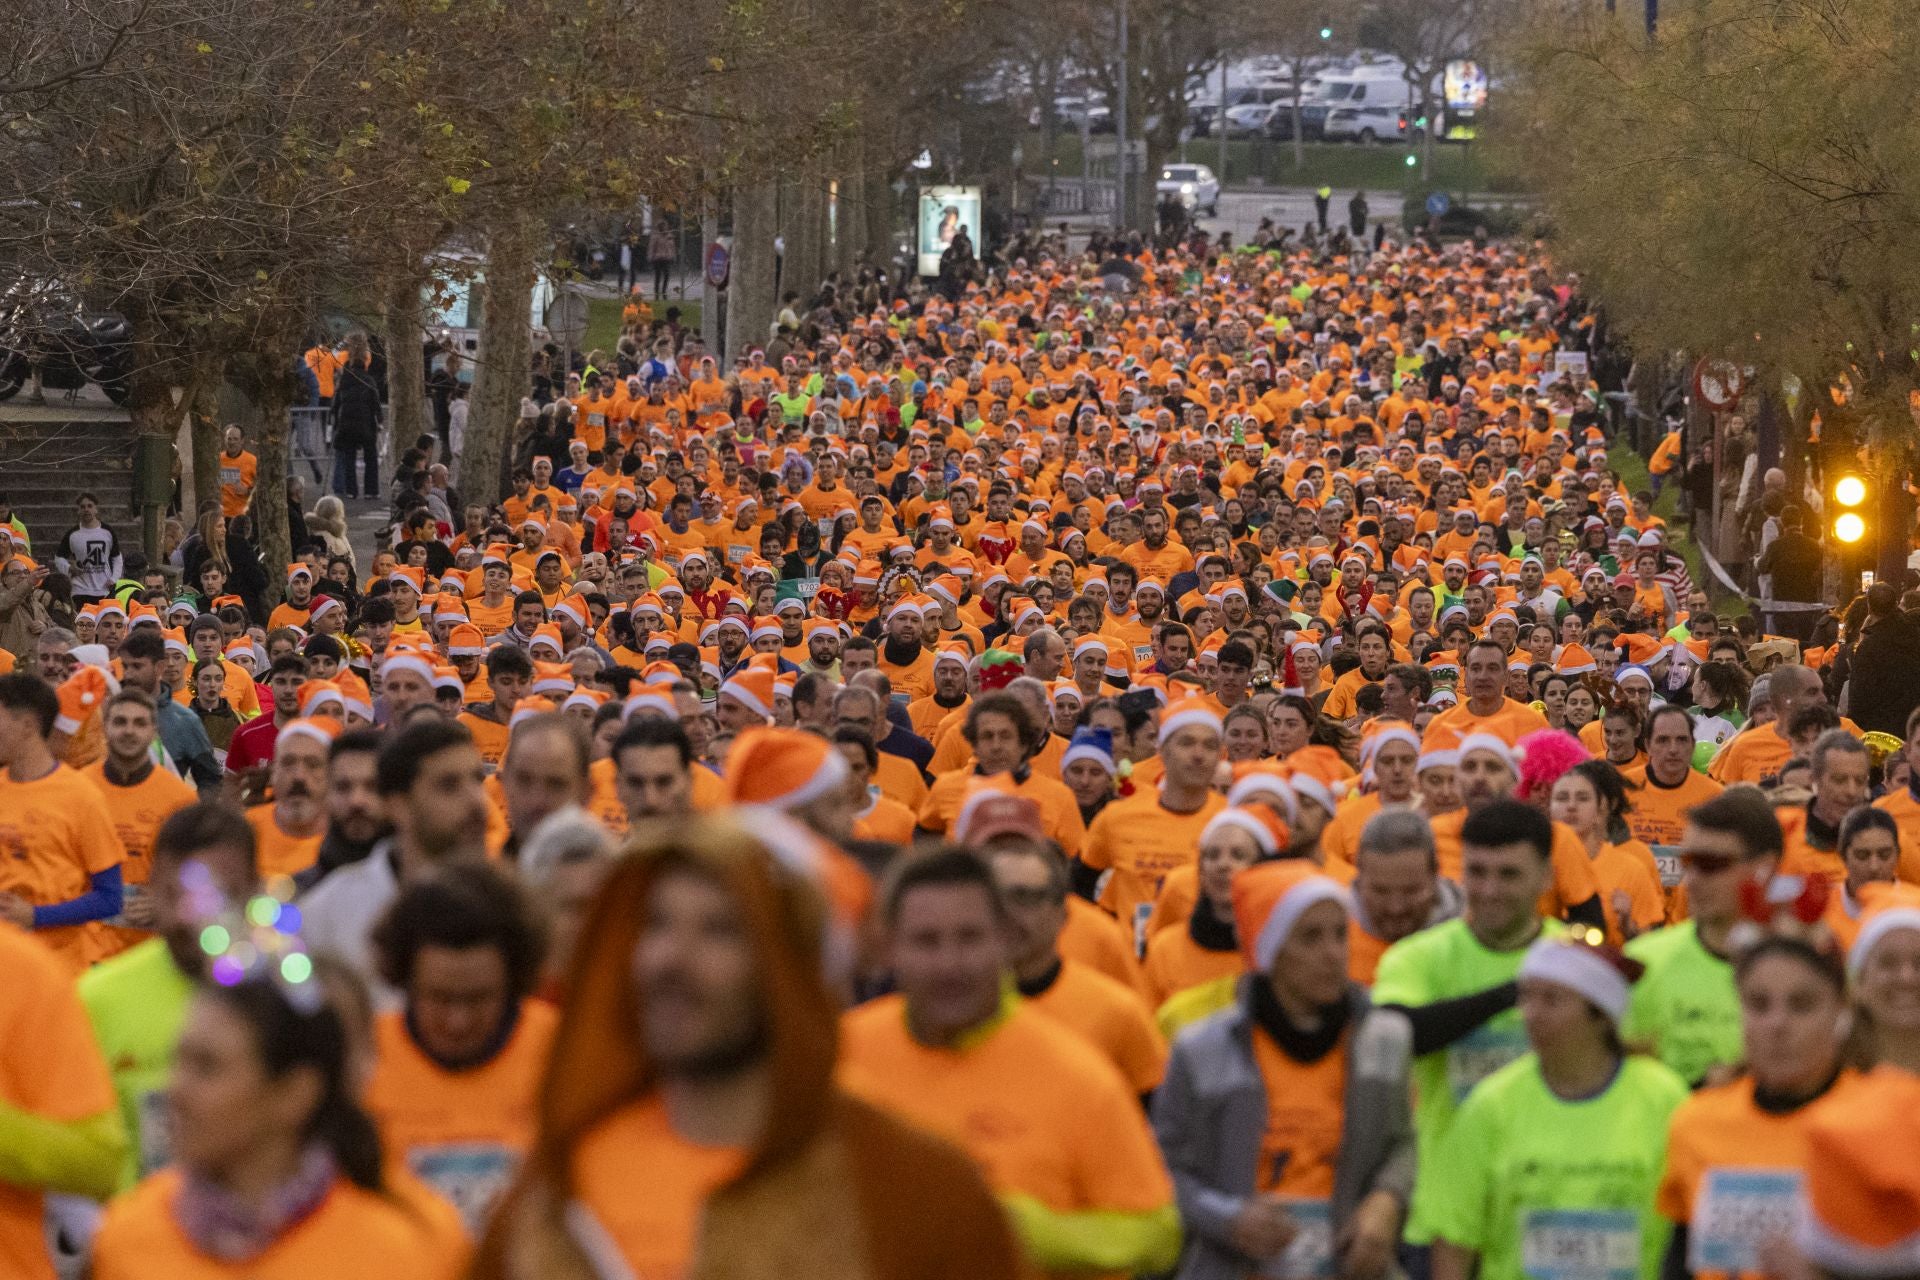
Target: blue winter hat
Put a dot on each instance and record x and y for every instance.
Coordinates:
(1090, 744)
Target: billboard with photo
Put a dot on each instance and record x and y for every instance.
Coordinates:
(944, 212)
(1464, 87)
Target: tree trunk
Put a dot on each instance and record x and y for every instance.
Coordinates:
(503, 372)
(202, 404)
(879, 214)
(805, 226)
(850, 215)
(406, 377)
(269, 507)
(750, 300)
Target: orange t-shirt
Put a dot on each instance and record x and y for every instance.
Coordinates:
(1094, 938)
(1041, 1111)
(1657, 816)
(281, 853)
(463, 1132)
(1176, 963)
(1111, 1018)
(236, 482)
(54, 838)
(655, 1233)
(1721, 1128)
(138, 812)
(1305, 1105)
(1141, 840)
(489, 737)
(354, 1232)
(1512, 722)
(50, 1066)
(885, 820)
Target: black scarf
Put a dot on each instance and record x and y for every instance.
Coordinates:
(901, 653)
(1209, 932)
(1301, 1046)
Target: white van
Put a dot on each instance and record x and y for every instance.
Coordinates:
(1356, 89)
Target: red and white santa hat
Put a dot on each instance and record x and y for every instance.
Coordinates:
(1187, 713)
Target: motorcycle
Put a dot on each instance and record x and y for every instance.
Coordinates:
(46, 328)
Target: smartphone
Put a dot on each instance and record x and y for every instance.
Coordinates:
(1866, 579)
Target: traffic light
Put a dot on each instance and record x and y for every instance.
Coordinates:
(1326, 33)
(1849, 497)
(1326, 26)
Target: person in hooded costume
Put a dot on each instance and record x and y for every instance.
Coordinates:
(689, 1120)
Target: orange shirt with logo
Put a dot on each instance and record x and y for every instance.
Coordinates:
(55, 836)
(462, 1132)
(279, 852)
(1140, 841)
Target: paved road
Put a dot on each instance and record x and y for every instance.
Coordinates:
(1241, 210)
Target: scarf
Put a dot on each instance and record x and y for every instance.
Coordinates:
(222, 1225)
(1301, 1046)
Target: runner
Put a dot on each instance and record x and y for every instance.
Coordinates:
(1552, 1164)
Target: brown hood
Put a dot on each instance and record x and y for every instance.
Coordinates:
(599, 1062)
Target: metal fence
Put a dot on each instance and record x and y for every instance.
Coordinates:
(1066, 198)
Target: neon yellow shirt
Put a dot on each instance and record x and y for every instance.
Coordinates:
(1685, 1004)
(1546, 1189)
(1442, 963)
(137, 1003)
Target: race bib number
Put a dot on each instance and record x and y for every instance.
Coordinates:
(1479, 1055)
(1142, 918)
(1738, 1210)
(1142, 653)
(1666, 860)
(156, 1135)
(737, 554)
(471, 1175)
(1580, 1244)
(1310, 1256)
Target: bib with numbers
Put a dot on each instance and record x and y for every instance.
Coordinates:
(1738, 1210)
(156, 1135)
(1310, 1256)
(1580, 1244)
(1666, 860)
(471, 1175)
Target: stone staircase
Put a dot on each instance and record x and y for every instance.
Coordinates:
(51, 453)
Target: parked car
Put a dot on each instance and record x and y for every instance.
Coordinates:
(1249, 120)
(1193, 185)
(1280, 123)
(1366, 124)
(1203, 111)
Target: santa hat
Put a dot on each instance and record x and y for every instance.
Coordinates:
(466, 641)
(552, 679)
(355, 696)
(406, 660)
(322, 606)
(589, 699)
(1264, 782)
(1090, 744)
(992, 808)
(652, 699)
(752, 689)
(528, 707)
(547, 636)
(1860, 1198)
(1599, 975)
(1386, 731)
(321, 729)
(1268, 901)
(448, 678)
(1574, 660)
(315, 694)
(1262, 824)
(1185, 714)
(83, 693)
(1889, 909)
(1473, 742)
(782, 768)
(574, 608)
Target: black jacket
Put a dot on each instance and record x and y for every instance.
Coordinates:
(1885, 685)
(356, 405)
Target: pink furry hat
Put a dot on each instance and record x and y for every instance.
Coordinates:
(1544, 755)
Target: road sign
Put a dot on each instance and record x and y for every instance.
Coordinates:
(719, 265)
(1438, 203)
(1719, 382)
(567, 319)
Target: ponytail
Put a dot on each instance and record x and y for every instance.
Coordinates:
(348, 1133)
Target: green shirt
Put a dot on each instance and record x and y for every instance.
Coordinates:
(1685, 1005)
(1443, 963)
(137, 1003)
(1546, 1189)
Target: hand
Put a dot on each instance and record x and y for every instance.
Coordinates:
(1263, 1229)
(16, 910)
(1365, 1248)
(137, 913)
(1623, 912)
